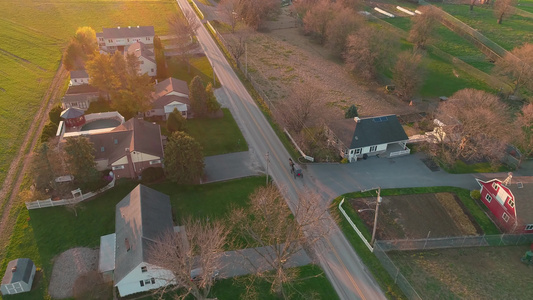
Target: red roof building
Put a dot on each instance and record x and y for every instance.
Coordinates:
(502, 203)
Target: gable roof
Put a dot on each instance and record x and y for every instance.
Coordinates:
(377, 130)
(521, 189)
(168, 85)
(167, 99)
(22, 273)
(81, 89)
(140, 218)
(128, 32)
(140, 50)
(79, 97)
(135, 135)
(78, 74)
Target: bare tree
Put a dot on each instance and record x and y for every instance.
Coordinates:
(518, 66)
(299, 109)
(237, 43)
(408, 74)
(368, 49)
(479, 126)
(503, 9)
(198, 246)
(524, 136)
(228, 9)
(423, 26)
(316, 20)
(184, 27)
(274, 228)
(345, 22)
(255, 12)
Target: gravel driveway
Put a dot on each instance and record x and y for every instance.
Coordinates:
(68, 267)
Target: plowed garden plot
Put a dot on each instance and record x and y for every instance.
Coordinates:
(414, 216)
(467, 273)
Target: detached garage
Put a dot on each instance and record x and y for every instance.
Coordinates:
(18, 277)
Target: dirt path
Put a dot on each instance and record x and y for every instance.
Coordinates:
(14, 178)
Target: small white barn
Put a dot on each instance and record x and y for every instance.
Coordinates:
(140, 218)
(18, 277)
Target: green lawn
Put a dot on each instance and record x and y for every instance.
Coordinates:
(462, 168)
(217, 136)
(41, 234)
(513, 32)
(37, 31)
(319, 286)
(200, 66)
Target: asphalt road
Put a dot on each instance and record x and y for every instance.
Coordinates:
(340, 263)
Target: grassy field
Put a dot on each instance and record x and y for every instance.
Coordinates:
(200, 66)
(513, 32)
(42, 234)
(217, 136)
(467, 273)
(37, 31)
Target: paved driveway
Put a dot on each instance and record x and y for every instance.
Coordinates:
(230, 166)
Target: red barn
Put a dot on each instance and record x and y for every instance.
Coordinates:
(501, 201)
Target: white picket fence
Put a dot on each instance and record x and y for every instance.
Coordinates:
(50, 203)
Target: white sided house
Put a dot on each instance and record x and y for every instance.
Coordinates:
(140, 219)
(146, 57)
(359, 138)
(113, 39)
(78, 77)
(80, 96)
(168, 95)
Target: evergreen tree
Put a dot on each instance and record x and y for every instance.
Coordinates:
(351, 112)
(175, 121)
(184, 161)
(212, 104)
(198, 97)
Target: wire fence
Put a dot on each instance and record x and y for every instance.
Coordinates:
(395, 273)
(456, 242)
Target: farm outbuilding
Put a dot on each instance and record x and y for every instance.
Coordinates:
(18, 277)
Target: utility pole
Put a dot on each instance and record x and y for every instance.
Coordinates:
(378, 202)
(267, 161)
(214, 77)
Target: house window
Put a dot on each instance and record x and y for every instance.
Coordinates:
(147, 281)
(115, 141)
(488, 198)
(529, 227)
(505, 217)
(157, 161)
(184, 113)
(75, 80)
(102, 149)
(141, 282)
(117, 167)
(495, 186)
(152, 70)
(144, 269)
(511, 202)
(110, 41)
(128, 40)
(147, 38)
(142, 62)
(153, 280)
(358, 151)
(373, 148)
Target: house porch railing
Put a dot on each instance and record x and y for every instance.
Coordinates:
(399, 153)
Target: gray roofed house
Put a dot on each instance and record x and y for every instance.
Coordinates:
(129, 148)
(117, 38)
(146, 57)
(80, 96)
(128, 32)
(78, 77)
(18, 277)
(169, 94)
(360, 138)
(140, 219)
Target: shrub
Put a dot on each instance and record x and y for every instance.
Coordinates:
(55, 114)
(344, 161)
(475, 194)
(152, 174)
(49, 131)
(351, 112)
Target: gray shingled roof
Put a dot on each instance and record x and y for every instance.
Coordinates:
(78, 74)
(79, 97)
(136, 135)
(140, 217)
(169, 85)
(128, 32)
(161, 102)
(71, 113)
(81, 89)
(139, 49)
(523, 198)
(376, 131)
(23, 272)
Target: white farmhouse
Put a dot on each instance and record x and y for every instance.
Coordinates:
(145, 56)
(113, 39)
(78, 77)
(140, 218)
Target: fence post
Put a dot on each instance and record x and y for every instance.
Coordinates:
(427, 237)
(464, 238)
(397, 274)
(501, 239)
